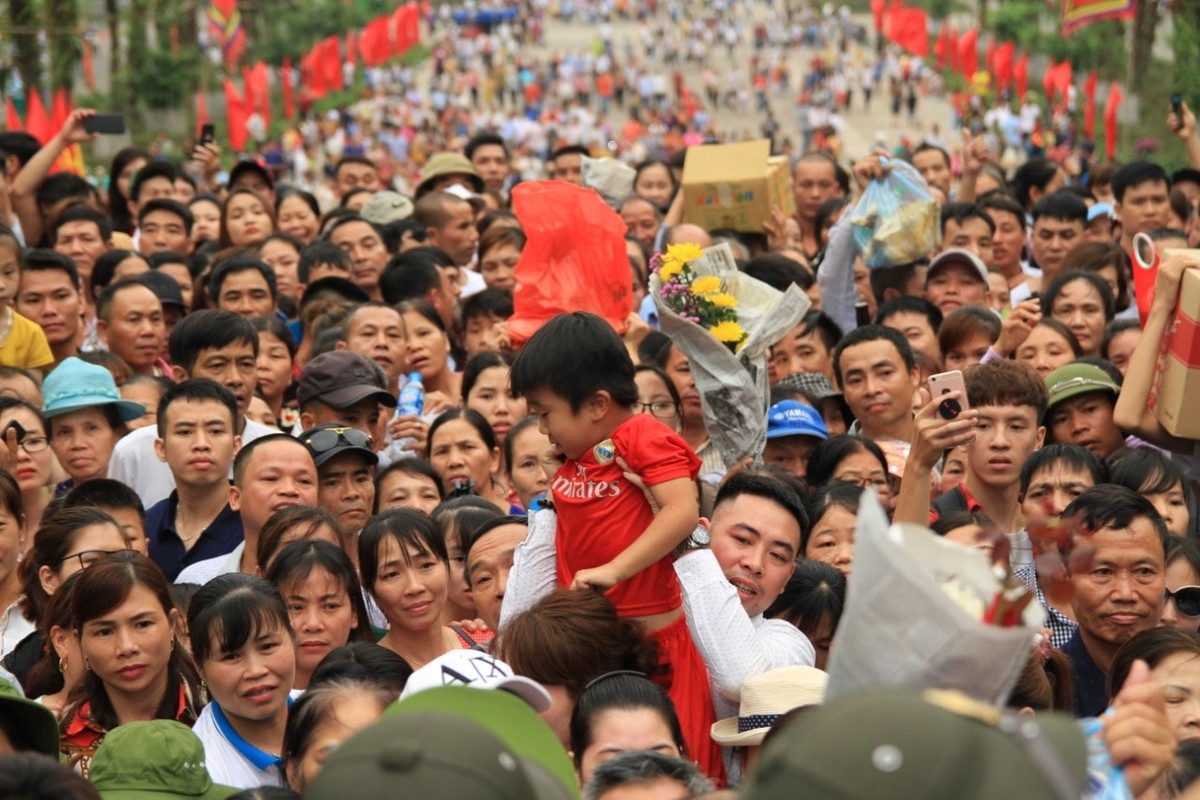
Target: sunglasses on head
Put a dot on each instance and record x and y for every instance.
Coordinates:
(1187, 600)
(326, 439)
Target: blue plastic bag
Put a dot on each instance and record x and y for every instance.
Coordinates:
(897, 219)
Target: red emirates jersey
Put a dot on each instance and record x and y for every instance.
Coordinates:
(600, 513)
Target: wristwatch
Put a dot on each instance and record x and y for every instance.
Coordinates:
(699, 539)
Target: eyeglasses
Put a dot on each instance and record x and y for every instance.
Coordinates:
(876, 480)
(34, 444)
(663, 409)
(88, 558)
(326, 439)
(1187, 600)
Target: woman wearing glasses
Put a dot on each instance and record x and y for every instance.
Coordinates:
(125, 621)
(33, 464)
(1182, 608)
(658, 396)
(69, 541)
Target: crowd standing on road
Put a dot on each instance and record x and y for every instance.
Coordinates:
(282, 504)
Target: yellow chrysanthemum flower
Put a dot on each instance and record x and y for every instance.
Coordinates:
(727, 332)
(709, 284)
(722, 300)
(683, 253)
(669, 270)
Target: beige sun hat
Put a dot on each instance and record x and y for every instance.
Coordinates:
(766, 698)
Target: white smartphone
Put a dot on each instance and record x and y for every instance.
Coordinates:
(944, 383)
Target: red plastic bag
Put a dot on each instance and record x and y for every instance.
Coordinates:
(574, 259)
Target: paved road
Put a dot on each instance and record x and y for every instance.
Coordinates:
(862, 125)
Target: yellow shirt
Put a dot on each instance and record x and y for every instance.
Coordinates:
(26, 345)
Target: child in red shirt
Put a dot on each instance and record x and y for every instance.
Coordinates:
(577, 378)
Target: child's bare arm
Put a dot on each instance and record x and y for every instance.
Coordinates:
(679, 510)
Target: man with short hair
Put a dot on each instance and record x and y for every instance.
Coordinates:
(1080, 408)
(248, 174)
(933, 163)
(808, 347)
(731, 570)
(1008, 243)
(376, 330)
(1058, 223)
(642, 219)
(119, 502)
(957, 278)
(489, 155)
(489, 559)
(416, 275)
(355, 172)
(244, 285)
(814, 180)
(917, 320)
(82, 234)
(966, 227)
(51, 296)
(343, 387)
(1142, 193)
(1010, 400)
(154, 181)
(364, 244)
(1121, 590)
(197, 440)
(164, 225)
(449, 225)
(568, 163)
(875, 368)
(269, 474)
(218, 345)
(130, 323)
(345, 477)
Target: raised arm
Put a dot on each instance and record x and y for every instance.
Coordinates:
(25, 185)
(1132, 412)
(533, 573)
(932, 436)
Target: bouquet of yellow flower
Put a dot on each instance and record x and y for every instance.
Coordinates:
(724, 321)
(701, 299)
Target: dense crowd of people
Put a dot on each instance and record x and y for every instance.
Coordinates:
(283, 510)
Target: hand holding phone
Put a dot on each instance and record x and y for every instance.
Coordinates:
(207, 134)
(104, 123)
(944, 383)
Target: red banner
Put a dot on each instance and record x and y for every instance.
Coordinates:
(202, 115)
(910, 30)
(236, 113)
(1089, 108)
(37, 123)
(1003, 64)
(12, 120)
(940, 47)
(1110, 120)
(877, 11)
(968, 53)
(331, 63)
(289, 92)
(952, 49)
(1021, 75)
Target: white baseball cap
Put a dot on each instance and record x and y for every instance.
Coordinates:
(478, 670)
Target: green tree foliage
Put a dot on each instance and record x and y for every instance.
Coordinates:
(62, 21)
(23, 19)
(1186, 44)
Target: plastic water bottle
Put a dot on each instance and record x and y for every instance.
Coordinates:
(412, 403)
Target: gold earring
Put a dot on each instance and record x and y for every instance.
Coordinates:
(62, 665)
(87, 664)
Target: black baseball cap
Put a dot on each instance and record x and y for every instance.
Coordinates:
(165, 288)
(340, 379)
(242, 167)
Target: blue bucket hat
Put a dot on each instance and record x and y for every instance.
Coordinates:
(75, 385)
(791, 418)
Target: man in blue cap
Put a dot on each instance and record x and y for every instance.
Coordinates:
(793, 431)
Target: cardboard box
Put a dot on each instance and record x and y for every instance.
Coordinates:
(1176, 401)
(735, 185)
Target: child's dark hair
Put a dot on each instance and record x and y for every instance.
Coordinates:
(816, 593)
(575, 356)
(229, 610)
(363, 661)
